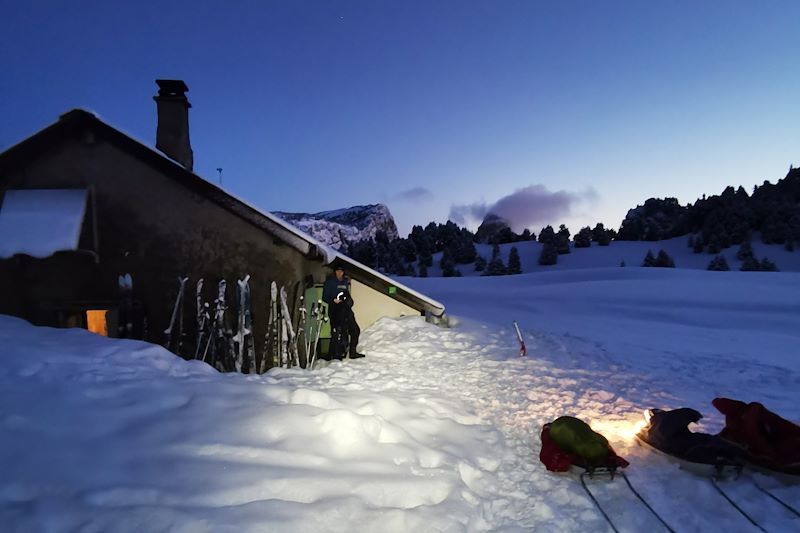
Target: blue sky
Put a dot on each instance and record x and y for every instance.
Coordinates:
(551, 112)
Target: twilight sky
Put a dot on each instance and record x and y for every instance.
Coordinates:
(545, 112)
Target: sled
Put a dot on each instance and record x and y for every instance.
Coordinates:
(719, 470)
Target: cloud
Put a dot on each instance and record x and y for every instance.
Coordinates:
(464, 214)
(417, 194)
(531, 207)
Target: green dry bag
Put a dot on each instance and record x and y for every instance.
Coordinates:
(577, 438)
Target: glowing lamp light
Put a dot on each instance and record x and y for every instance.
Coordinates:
(96, 321)
(622, 429)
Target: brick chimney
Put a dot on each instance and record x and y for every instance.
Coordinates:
(172, 135)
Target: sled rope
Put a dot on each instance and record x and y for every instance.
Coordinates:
(768, 493)
(596, 503)
(635, 493)
(730, 501)
(612, 473)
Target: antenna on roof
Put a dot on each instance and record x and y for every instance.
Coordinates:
(220, 175)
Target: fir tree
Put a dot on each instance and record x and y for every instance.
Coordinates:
(447, 264)
(495, 251)
(549, 254)
(423, 269)
(547, 235)
(514, 264)
(664, 260)
(714, 245)
(719, 263)
(480, 264)
(599, 232)
(698, 244)
(407, 250)
(583, 239)
(562, 240)
(768, 266)
(750, 264)
(605, 237)
(649, 259)
(745, 251)
(495, 268)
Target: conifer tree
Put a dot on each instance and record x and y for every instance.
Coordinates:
(495, 268)
(719, 263)
(714, 245)
(423, 269)
(768, 266)
(549, 254)
(447, 264)
(605, 237)
(750, 264)
(514, 264)
(480, 264)
(649, 259)
(664, 260)
(562, 240)
(547, 235)
(745, 251)
(598, 232)
(583, 239)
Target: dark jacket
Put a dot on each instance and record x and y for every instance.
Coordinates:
(333, 287)
(668, 431)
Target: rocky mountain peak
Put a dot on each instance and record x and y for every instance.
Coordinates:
(492, 225)
(340, 227)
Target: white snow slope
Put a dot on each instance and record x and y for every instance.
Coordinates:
(437, 429)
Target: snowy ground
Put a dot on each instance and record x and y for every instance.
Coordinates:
(629, 253)
(435, 430)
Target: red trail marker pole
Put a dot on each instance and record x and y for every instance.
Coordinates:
(523, 351)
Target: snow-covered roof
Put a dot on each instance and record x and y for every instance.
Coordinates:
(40, 222)
(383, 282)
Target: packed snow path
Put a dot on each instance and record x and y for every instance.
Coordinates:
(518, 395)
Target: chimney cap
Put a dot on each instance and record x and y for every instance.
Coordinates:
(171, 87)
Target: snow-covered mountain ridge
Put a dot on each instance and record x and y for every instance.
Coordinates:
(340, 227)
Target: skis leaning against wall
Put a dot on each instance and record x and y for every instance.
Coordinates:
(288, 346)
(176, 320)
(223, 343)
(301, 330)
(202, 322)
(243, 340)
(272, 334)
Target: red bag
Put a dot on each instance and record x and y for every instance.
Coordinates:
(771, 441)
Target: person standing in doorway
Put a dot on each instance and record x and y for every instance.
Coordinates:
(344, 328)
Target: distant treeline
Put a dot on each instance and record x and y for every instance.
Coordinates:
(712, 224)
